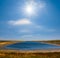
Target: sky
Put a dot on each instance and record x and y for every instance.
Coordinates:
(29, 19)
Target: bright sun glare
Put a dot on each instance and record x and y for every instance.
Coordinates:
(29, 9)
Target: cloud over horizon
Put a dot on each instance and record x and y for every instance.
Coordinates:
(20, 22)
(29, 19)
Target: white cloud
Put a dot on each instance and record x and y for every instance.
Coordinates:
(27, 36)
(20, 22)
(42, 5)
(50, 30)
(29, 27)
(31, 37)
(39, 26)
(25, 31)
(45, 29)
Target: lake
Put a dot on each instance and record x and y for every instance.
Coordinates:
(30, 45)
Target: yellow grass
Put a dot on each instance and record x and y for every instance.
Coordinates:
(28, 54)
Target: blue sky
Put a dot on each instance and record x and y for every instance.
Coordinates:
(29, 19)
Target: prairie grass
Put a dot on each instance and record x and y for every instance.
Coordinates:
(29, 55)
(8, 54)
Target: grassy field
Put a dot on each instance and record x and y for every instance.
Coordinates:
(4, 43)
(57, 42)
(18, 54)
(29, 55)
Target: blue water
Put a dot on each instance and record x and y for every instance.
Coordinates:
(29, 45)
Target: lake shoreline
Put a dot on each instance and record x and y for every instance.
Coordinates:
(31, 51)
(51, 43)
(9, 53)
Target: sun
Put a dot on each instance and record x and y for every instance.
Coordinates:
(29, 9)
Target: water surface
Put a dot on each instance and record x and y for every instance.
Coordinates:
(29, 45)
